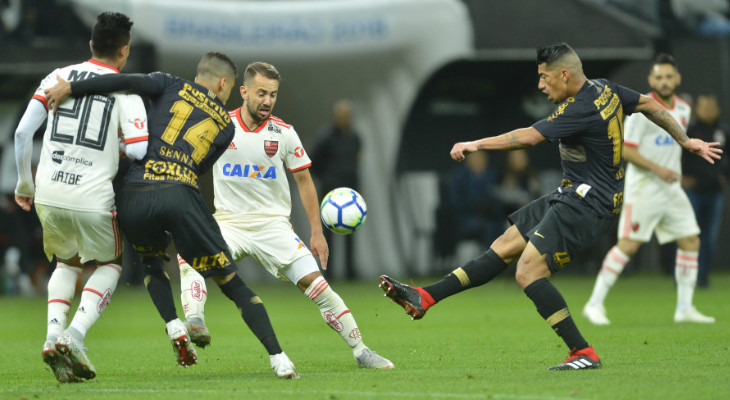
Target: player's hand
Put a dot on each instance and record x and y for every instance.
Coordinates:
(667, 175)
(318, 246)
(24, 202)
(710, 151)
(57, 94)
(463, 149)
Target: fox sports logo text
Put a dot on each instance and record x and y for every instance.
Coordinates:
(343, 211)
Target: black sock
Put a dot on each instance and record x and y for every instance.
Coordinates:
(552, 307)
(475, 273)
(253, 313)
(158, 286)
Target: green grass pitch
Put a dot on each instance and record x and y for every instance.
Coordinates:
(486, 343)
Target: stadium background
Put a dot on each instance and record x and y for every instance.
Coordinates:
(422, 74)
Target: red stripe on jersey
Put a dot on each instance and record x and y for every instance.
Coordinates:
(631, 144)
(101, 64)
(136, 139)
(653, 96)
(301, 168)
(42, 99)
(279, 121)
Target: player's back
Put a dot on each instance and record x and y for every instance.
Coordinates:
(189, 128)
(80, 153)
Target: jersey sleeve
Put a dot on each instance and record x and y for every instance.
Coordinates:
(48, 82)
(563, 122)
(150, 85)
(296, 159)
(132, 118)
(629, 99)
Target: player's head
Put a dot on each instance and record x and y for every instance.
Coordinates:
(664, 77)
(259, 90)
(110, 38)
(560, 71)
(342, 114)
(217, 72)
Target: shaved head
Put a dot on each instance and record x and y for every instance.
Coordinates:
(215, 65)
(560, 56)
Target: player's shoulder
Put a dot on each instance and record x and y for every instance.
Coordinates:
(280, 122)
(682, 105)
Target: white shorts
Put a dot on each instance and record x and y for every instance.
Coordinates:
(272, 242)
(668, 213)
(91, 235)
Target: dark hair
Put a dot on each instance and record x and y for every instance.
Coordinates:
(262, 68)
(664, 58)
(216, 64)
(110, 33)
(553, 52)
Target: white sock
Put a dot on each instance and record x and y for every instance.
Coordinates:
(685, 272)
(613, 265)
(193, 292)
(336, 314)
(61, 289)
(96, 296)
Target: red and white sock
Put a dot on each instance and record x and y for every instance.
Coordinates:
(96, 296)
(61, 289)
(335, 313)
(193, 291)
(685, 272)
(613, 265)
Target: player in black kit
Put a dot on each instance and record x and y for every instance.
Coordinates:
(545, 234)
(189, 129)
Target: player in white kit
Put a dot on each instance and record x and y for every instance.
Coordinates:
(253, 206)
(654, 201)
(73, 192)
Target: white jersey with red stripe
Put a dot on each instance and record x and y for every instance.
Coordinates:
(80, 154)
(249, 179)
(655, 144)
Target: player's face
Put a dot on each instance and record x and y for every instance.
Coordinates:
(259, 96)
(664, 80)
(551, 83)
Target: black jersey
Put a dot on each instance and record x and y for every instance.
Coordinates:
(189, 127)
(589, 130)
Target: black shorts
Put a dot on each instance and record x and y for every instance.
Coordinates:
(559, 227)
(148, 212)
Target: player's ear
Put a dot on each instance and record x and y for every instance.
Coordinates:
(91, 46)
(679, 78)
(243, 91)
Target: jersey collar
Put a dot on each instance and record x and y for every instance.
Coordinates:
(674, 101)
(101, 64)
(244, 127)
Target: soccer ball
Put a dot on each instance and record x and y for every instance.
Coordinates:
(343, 211)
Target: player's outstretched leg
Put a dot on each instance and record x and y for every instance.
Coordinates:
(193, 295)
(407, 297)
(579, 359)
(338, 317)
(60, 365)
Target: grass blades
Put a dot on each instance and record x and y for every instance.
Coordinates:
(486, 343)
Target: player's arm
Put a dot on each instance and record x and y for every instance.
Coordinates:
(632, 155)
(310, 201)
(659, 115)
(513, 140)
(141, 84)
(133, 123)
(32, 119)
